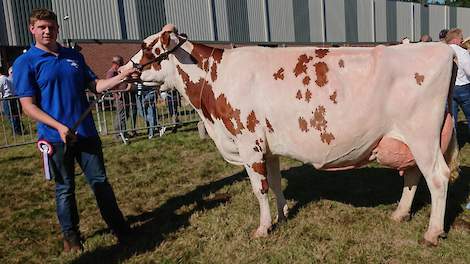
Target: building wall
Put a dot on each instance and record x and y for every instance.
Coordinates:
(298, 21)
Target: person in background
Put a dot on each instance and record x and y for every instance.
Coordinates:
(147, 107)
(461, 91)
(425, 38)
(10, 103)
(125, 100)
(442, 35)
(51, 81)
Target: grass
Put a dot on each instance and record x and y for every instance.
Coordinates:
(169, 190)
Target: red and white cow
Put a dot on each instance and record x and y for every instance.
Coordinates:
(336, 108)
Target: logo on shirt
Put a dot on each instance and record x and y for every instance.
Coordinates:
(73, 63)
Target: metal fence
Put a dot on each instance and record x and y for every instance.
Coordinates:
(140, 111)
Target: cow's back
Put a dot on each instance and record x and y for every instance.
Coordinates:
(330, 107)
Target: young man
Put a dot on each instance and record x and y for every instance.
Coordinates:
(51, 81)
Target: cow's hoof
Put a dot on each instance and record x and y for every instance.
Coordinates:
(400, 217)
(260, 232)
(427, 243)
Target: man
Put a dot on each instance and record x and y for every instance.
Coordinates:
(10, 103)
(125, 100)
(51, 81)
(461, 93)
(442, 35)
(425, 38)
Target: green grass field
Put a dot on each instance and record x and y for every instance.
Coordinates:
(169, 189)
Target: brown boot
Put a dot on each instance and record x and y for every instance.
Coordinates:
(72, 242)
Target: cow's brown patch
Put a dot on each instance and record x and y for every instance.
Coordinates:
(308, 95)
(214, 72)
(303, 125)
(279, 75)
(333, 97)
(264, 186)
(147, 57)
(201, 54)
(251, 122)
(320, 53)
(419, 78)
(226, 113)
(301, 66)
(321, 69)
(211, 107)
(298, 95)
(158, 51)
(269, 126)
(341, 63)
(318, 121)
(327, 137)
(306, 80)
(259, 167)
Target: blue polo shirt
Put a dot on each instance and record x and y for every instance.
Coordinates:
(58, 83)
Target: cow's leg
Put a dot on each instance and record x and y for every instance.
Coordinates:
(411, 180)
(257, 173)
(432, 164)
(274, 180)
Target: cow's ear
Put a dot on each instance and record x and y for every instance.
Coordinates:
(165, 38)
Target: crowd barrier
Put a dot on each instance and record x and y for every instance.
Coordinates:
(123, 114)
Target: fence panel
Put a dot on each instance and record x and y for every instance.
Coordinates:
(122, 114)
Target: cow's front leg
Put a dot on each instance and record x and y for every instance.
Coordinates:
(410, 180)
(257, 173)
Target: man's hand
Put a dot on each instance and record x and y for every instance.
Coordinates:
(67, 135)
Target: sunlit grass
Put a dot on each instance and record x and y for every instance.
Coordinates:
(168, 187)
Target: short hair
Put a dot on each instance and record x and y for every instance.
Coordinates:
(425, 38)
(42, 14)
(118, 60)
(453, 33)
(443, 33)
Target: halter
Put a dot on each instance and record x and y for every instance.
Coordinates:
(159, 58)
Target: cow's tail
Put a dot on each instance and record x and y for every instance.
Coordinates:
(452, 153)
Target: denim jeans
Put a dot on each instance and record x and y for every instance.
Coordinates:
(148, 110)
(461, 97)
(88, 153)
(10, 109)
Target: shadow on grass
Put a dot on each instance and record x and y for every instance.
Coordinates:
(159, 223)
(367, 187)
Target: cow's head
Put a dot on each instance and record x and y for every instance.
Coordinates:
(152, 59)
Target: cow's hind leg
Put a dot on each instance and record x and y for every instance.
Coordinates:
(410, 180)
(274, 180)
(433, 166)
(257, 173)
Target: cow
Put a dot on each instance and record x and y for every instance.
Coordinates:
(336, 108)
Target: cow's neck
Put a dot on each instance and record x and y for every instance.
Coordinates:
(198, 73)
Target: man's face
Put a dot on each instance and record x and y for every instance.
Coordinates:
(44, 32)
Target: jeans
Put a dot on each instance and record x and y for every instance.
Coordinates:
(88, 153)
(148, 110)
(125, 108)
(461, 97)
(11, 111)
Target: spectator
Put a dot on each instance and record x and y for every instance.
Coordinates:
(425, 38)
(40, 73)
(173, 101)
(125, 101)
(461, 92)
(147, 107)
(442, 35)
(10, 102)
